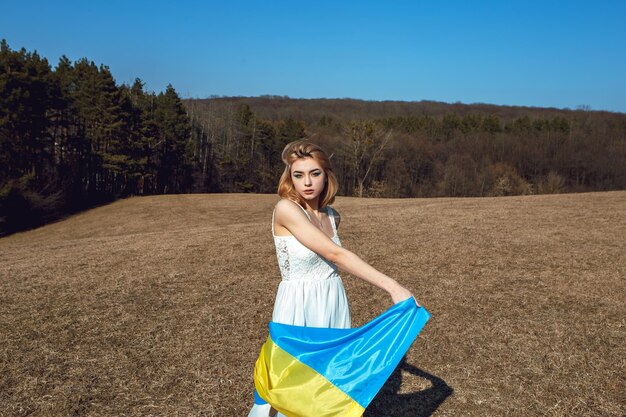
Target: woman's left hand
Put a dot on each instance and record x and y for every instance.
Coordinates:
(400, 294)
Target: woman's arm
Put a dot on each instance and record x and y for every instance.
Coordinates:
(294, 220)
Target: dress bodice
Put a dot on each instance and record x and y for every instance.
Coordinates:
(297, 262)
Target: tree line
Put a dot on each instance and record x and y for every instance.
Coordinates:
(422, 149)
(72, 138)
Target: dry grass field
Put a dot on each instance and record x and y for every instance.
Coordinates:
(157, 306)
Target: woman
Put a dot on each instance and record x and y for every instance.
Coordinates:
(309, 252)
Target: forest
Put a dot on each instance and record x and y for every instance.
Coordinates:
(72, 138)
(412, 149)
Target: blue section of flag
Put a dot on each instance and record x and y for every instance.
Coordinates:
(257, 399)
(357, 361)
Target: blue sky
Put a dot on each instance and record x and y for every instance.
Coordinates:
(530, 53)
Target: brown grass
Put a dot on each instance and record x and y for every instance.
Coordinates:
(158, 305)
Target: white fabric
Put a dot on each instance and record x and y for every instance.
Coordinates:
(310, 293)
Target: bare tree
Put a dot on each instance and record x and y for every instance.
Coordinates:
(364, 148)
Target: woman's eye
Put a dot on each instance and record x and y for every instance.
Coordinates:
(317, 174)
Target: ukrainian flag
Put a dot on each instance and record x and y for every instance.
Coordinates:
(320, 372)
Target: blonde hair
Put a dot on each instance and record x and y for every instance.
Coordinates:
(303, 149)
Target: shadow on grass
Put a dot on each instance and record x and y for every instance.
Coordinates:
(390, 403)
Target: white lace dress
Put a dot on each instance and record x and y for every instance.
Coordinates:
(310, 293)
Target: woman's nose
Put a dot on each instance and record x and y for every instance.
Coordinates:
(307, 180)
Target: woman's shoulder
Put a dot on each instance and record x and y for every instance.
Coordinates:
(285, 202)
(285, 205)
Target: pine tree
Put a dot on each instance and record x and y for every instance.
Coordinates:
(174, 147)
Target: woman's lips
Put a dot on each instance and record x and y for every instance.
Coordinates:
(308, 191)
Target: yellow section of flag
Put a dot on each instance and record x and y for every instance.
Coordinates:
(297, 390)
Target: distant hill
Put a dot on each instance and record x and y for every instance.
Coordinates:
(312, 110)
(412, 149)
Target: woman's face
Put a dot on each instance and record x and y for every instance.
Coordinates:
(308, 178)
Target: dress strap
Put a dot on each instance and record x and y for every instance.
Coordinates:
(331, 214)
(305, 212)
(273, 211)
